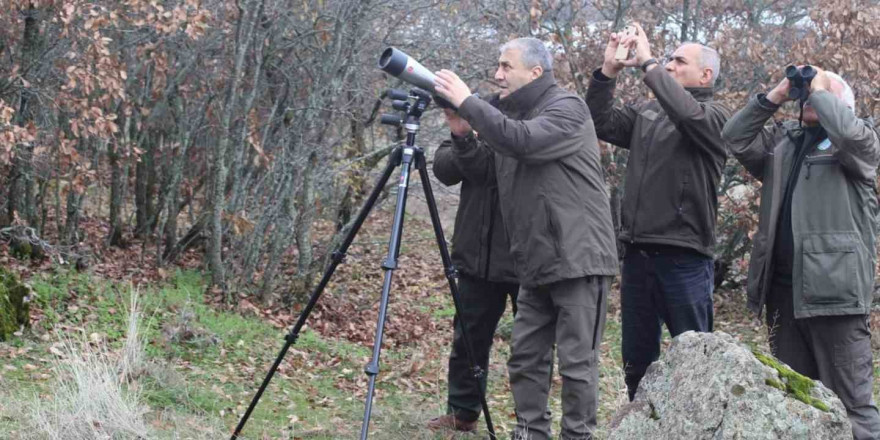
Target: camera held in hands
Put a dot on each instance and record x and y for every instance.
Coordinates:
(623, 53)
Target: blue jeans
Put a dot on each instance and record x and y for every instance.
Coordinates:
(661, 285)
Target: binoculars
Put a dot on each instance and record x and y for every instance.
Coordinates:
(799, 79)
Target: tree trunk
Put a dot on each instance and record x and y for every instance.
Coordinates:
(246, 23)
(140, 194)
(21, 186)
(685, 20)
(303, 227)
(117, 180)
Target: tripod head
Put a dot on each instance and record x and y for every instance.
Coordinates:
(411, 105)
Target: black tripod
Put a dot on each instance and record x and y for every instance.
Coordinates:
(413, 104)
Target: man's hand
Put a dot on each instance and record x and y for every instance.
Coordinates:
(457, 125)
(612, 66)
(642, 46)
(779, 94)
(820, 82)
(449, 86)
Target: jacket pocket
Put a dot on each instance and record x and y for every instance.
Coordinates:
(680, 207)
(829, 269)
(553, 228)
(812, 161)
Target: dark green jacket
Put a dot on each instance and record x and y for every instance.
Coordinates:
(479, 243)
(833, 208)
(676, 157)
(553, 197)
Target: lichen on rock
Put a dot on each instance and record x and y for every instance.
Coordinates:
(710, 386)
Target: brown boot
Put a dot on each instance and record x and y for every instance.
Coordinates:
(449, 421)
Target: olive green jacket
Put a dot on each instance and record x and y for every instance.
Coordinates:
(833, 208)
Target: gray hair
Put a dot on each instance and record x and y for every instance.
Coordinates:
(709, 58)
(532, 52)
(846, 95)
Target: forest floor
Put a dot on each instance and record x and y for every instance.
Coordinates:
(203, 361)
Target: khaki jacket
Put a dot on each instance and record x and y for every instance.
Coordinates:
(833, 209)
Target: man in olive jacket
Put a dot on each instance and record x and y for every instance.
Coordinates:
(813, 257)
(481, 255)
(667, 225)
(556, 213)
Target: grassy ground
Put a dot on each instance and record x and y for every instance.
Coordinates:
(204, 363)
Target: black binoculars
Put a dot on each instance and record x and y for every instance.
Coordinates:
(799, 79)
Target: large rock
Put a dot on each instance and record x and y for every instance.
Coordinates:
(709, 386)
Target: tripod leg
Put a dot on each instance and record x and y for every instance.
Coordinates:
(389, 265)
(453, 286)
(338, 257)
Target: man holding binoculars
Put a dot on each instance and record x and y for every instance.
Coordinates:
(813, 257)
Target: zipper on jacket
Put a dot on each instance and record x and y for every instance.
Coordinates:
(493, 198)
(684, 184)
(810, 161)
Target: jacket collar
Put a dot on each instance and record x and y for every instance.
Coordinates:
(701, 94)
(525, 98)
(796, 132)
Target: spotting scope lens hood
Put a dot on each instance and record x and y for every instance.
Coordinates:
(393, 61)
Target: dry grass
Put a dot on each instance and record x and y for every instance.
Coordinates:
(93, 397)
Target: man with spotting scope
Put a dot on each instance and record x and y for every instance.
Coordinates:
(557, 218)
(813, 257)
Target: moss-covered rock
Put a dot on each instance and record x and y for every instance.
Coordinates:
(14, 304)
(20, 248)
(709, 386)
(796, 384)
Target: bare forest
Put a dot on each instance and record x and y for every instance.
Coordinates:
(151, 142)
(237, 128)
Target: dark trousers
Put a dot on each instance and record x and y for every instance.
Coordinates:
(570, 313)
(833, 349)
(657, 286)
(482, 302)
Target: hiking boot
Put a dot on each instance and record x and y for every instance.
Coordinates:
(449, 421)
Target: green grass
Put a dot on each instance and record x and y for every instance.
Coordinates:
(212, 376)
(198, 386)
